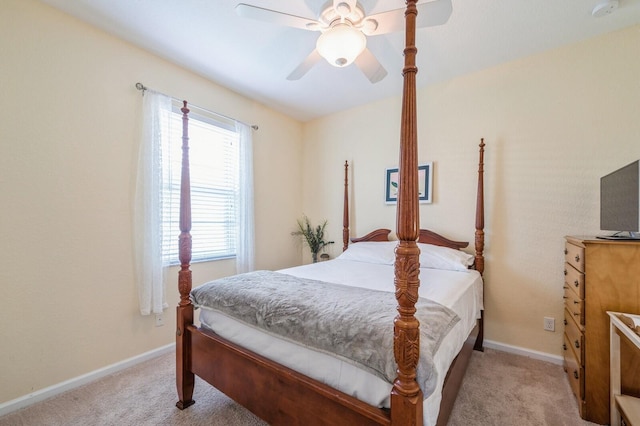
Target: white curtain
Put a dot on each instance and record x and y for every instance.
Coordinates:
(245, 247)
(150, 270)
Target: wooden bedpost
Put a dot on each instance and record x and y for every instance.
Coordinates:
(185, 379)
(345, 209)
(479, 261)
(406, 396)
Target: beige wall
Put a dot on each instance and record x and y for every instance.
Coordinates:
(69, 117)
(554, 123)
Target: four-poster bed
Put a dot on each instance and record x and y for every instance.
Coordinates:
(283, 395)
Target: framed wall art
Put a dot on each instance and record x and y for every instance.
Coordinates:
(425, 179)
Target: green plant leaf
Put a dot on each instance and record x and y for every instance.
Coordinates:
(313, 236)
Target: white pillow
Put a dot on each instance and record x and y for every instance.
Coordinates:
(431, 256)
(437, 257)
(381, 252)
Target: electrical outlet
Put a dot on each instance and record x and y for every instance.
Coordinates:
(159, 320)
(549, 324)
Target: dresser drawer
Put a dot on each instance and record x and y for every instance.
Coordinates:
(574, 256)
(574, 338)
(575, 306)
(575, 373)
(574, 280)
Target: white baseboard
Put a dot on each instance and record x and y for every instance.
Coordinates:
(48, 392)
(543, 356)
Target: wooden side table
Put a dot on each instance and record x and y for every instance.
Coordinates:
(625, 409)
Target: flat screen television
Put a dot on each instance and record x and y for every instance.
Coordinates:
(620, 202)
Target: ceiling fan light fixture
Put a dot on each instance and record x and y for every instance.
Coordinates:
(341, 44)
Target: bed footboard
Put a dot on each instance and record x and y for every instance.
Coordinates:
(274, 393)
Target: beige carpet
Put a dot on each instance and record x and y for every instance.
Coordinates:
(499, 389)
(505, 389)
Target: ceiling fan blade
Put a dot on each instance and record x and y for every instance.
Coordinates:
(370, 66)
(274, 17)
(344, 7)
(430, 14)
(308, 63)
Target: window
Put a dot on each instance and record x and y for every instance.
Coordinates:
(214, 169)
(221, 193)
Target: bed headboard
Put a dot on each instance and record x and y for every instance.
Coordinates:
(426, 236)
(377, 235)
(430, 237)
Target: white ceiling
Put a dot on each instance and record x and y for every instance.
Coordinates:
(254, 58)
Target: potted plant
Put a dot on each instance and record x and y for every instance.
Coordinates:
(314, 237)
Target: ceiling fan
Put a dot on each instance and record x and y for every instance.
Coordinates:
(344, 28)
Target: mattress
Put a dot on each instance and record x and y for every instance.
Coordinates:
(461, 291)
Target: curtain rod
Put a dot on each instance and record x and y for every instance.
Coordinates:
(142, 88)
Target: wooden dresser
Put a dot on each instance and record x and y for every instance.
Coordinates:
(599, 276)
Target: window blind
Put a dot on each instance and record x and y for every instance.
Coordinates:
(214, 170)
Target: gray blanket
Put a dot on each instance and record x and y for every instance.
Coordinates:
(356, 324)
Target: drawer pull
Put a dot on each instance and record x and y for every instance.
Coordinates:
(576, 283)
(566, 251)
(564, 297)
(577, 344)
(575, 374)
(565, 272)
(577, 258)
(564, 346)
(577, 314)
(575, 302)
(565, 322)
